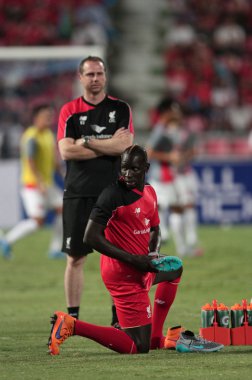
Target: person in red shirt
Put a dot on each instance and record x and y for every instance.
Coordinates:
(124, 227)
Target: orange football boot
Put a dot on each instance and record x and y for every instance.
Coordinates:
(173, 333)
(62, 328)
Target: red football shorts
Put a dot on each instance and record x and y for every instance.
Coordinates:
(130, 293)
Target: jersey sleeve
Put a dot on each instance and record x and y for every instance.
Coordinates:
(126, 120)
(103, 209)
(65, 127)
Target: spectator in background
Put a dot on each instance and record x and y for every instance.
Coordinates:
(39, 192)
(229, 35)
(239, 116)
(180, 34)
(178, 77)
(171, 149)
(162, 155)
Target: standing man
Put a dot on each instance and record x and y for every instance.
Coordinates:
(93, 131)
(39, 194)
(171, 148)
(164, 158)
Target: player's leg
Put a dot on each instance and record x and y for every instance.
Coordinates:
(164, 229)
(65, 326)
(190, 218)
(177, 231)
(176, 219)
(134, 315)
(55, 198)
(167, 285)
(34, 205)
(125, 341)
(75, 216)
(133, 306)
(141, 336)
(74, 282)
(133, 310)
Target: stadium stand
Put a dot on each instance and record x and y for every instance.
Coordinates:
(25, 83)
(199, 52)
(208, 66)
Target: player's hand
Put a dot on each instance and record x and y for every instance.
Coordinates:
(143, 263)
(154, 255)
(121, 134)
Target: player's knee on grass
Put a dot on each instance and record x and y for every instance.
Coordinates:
(141, 337)
(143, 345)
(143, 348)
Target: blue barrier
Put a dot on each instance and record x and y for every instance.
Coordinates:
(225, 192)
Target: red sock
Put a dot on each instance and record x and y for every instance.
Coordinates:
(114, 339)
(164, 297)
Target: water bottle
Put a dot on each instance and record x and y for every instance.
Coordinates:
(237, 315)
(207, 315)
(223, 315)
(249, 314)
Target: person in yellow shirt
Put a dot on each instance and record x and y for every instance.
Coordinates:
(39, 192)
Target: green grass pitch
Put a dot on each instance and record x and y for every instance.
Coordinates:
(31, 288)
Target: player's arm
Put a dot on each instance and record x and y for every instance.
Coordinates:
(59, 169)
(122, 138)
(155, 239)
(70, 146)
(71, 149)
(30, 151)
(114, 146)
(95, 237)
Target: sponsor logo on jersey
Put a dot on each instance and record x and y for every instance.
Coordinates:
(82, 120)
(137, 211)
(142, 232)
(146, 221)
(97, 128)
(112, 117)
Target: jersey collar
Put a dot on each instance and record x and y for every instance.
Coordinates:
(91, 104)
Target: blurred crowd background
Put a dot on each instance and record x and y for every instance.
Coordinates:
(198, 52)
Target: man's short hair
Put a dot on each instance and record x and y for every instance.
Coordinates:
(92, 59)
(168, 104)
(40, 107)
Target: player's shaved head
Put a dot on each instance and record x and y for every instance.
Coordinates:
(136, 150)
